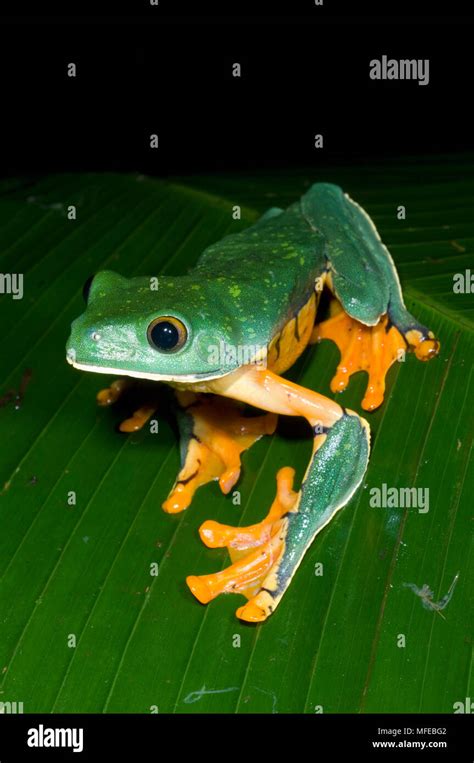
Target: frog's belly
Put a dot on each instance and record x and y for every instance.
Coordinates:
(286, 346)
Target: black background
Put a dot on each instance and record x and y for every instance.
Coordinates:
(172, 75)
(116, 737)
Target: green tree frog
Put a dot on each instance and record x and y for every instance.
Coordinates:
(223, 334)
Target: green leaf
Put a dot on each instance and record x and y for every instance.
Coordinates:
(142, 641)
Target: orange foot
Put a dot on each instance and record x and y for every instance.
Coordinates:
(138, 420)
(255, 552)
(370, 348)
(110, 395)
(219, 434)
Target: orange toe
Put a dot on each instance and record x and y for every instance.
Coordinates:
(199, 588)
(251, 613)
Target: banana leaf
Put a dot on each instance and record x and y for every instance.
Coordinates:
(86, 625)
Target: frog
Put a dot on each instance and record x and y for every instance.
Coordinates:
(221, 337)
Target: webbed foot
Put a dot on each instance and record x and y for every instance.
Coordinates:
(371, 348)
(254, 551)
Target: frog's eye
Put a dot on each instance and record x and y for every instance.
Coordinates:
(86, 289)
(167, 334)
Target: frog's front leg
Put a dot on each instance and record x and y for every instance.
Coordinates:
(213, 435)
(112, 394)
(267, 555)
(373, 349)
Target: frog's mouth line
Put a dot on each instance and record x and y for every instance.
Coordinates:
(216, 374)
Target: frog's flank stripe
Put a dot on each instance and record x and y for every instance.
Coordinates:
(191, 477)
(289, 343)
(194, 404)
(297, 333)
(277, 345)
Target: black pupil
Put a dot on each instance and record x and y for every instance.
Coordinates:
(164, 335)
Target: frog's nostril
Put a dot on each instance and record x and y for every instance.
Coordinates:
(95, 336)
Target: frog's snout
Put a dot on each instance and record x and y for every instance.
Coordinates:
(99, 344)
(70, 355)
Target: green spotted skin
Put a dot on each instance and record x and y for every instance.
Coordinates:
(243, 290)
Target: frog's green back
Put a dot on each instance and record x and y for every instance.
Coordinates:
(268, 271)
(270, 268)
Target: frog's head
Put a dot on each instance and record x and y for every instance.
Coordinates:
(170, 329)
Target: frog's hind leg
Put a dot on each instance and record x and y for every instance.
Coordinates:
(213, 433)
(266, 555)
